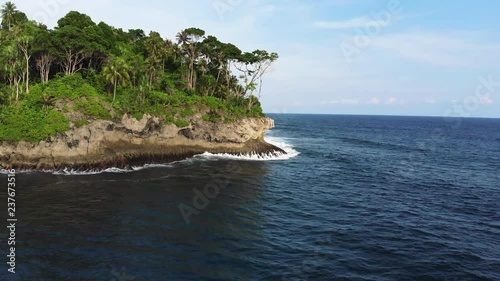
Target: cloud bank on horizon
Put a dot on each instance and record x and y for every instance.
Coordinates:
(399, 57)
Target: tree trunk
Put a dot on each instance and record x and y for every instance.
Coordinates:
(190, 77)
(114, 91)
(27, 75)
(16, 81)
(43, 64)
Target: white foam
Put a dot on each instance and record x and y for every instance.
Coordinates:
(73, 172)
(283, 143)
(279, 142)
(112, 170)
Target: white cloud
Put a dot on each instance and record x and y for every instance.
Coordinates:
(342, 102)
(486, 100)
(374, 101)
(345, 24)
(445, 48)
(431, 101)
(393, 101)
(311, 68)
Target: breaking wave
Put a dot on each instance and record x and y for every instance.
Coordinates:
(278, 142)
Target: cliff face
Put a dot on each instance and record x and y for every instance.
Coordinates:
(130, 142)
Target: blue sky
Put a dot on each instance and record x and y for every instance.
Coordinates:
(391, 57)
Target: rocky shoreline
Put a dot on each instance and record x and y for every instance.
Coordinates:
(129, 143)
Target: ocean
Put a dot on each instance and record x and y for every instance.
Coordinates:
(356, 198)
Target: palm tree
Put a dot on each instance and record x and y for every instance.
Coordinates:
(182, 37)
(116, 72)
(13, 67)
(8, 11)
(151, 68)
(47, 101)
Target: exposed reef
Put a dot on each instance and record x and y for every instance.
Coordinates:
(129, 142)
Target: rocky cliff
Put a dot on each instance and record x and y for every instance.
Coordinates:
(131, 142)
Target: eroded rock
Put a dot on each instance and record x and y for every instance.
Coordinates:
(105, 143)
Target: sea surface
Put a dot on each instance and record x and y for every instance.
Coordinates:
(357, 198)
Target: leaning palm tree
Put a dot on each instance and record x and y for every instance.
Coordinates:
(8, 11)
(116, 72)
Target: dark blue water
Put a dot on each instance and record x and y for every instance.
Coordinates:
(368, 198)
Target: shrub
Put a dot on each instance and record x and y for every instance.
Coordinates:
(81, 123)
(181, 123)
(93, 107)
(31, 124)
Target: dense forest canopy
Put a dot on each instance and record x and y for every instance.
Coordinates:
(104, 72)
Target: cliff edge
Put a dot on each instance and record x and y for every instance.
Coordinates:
(130, 142)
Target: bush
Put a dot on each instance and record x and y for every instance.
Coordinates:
(181, 123)
(31, 124)
(93, 107)
(81, 123)
(36, 117)
(186, 112)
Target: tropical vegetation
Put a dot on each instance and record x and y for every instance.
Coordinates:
(101, 72)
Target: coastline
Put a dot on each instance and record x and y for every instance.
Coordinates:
(129, 143)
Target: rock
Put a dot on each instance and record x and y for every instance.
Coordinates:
(188, 133)
(135, 125)
(105, 143)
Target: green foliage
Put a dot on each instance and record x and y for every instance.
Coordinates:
(93, 107)
(81, 123)
(138, 116)
(186, 112)
(72, 88)
(31, 124)
(104, 72)
(212, 117)
(181, 123)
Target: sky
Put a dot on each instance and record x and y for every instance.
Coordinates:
(380, 57)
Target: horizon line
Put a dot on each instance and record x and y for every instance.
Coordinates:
(383, 115)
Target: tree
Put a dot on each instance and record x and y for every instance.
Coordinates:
(253, 67)
(107, 57)
(116, 72)
(24, 45)
(76, 20)
(13, 68)
(73, 40)
(221, 56)
(134, 61)
(44, 51)
(156, 53)
(189, 40)
(8, 12)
